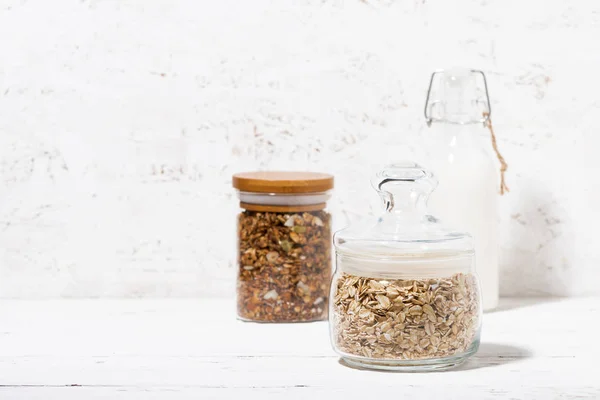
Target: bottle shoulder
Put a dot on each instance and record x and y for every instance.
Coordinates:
(473, 156)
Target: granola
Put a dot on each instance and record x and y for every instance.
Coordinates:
(405, 319)
(284, 266)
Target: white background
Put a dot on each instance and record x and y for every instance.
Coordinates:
(121, 123)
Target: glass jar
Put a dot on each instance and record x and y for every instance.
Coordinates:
(284, 246)
(404, 294)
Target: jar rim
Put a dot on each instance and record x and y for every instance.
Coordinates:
(403, 255)
(287, 202)
(282, 209)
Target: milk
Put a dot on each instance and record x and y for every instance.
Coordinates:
(467, 195)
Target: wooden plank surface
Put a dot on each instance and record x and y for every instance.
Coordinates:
(192, 349)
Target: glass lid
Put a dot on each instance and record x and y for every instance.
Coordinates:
(405, 229)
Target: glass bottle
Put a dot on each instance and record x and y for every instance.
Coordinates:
(404, 294)
(284, 246)
(457, 109)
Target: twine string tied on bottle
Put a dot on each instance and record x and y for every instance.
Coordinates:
(503, 165)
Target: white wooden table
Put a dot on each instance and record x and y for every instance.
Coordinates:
(195, 349)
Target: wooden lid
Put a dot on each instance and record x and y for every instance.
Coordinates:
(282, 182)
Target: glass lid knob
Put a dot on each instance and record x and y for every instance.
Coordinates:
(404, 187)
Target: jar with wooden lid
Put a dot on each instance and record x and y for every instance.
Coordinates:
(404, 295)
(284, 246)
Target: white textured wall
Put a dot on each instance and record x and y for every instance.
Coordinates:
(121, 123)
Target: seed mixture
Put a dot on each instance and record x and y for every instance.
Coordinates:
(284, 266)
(405, 319)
